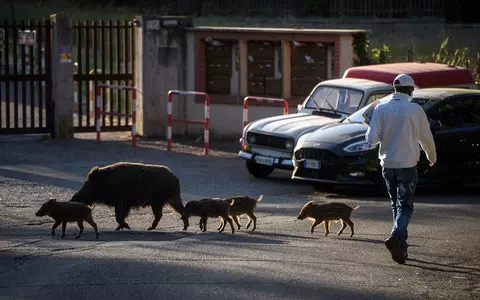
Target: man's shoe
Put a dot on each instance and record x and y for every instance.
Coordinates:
(393, 246)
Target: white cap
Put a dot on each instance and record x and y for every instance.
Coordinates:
(404, 80)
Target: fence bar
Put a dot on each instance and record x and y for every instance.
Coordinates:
(99, 113)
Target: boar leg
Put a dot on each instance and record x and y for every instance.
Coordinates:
(203, 222)
(64, 226)
(120, 215)
(229, 220)
(315, 224)
(157, 212)
(80, 226)
(55, 225)
(221, 223)
(236, 219)
(344, 225)
(90, 221)
(350, 223)
(252, 217)
(327, 227)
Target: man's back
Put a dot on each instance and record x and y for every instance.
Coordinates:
(399, 126)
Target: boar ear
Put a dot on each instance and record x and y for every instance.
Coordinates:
(52, 200)
(93, 172)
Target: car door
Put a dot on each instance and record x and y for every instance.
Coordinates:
(457, 139)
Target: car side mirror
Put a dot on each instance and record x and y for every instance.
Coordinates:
(435, 125)
(299, 107)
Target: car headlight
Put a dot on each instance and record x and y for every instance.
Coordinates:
(251, 139)
(359, 146)
(289, 145)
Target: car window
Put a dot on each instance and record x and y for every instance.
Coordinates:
(458, 112)
(375, 97)
(336, 98)
(357, 117)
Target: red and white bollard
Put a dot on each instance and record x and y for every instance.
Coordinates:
(260, 99)
(171, 120)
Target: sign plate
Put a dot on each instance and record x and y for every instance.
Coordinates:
(263, 160)
(153, 25)
(312, 164)
(26, 37)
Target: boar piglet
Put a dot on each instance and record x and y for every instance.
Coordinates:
(63, 212)
(240, 205)
(326, 212)
(207, 208)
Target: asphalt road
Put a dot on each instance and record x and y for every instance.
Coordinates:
(280, 260)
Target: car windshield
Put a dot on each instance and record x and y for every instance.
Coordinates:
(357, 117)
(338, 99)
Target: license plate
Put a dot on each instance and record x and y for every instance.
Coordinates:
(262, 160)
(312, 164)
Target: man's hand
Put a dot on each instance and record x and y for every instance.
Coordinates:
(431, 164)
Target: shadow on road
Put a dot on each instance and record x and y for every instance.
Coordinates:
(434, 266)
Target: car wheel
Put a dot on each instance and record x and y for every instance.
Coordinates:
(258, 170)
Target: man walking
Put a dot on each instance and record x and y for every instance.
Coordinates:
(401, 127)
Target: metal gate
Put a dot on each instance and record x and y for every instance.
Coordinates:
(25, 81)
(104, 54)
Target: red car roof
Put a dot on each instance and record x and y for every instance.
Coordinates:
(424, 74)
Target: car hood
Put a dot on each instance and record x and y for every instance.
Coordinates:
(336, 133)
(291, 125)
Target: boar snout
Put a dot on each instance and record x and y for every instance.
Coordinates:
(40, 213)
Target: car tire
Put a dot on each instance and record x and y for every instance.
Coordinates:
(259, 171)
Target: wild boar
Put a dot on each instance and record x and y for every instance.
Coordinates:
(127, 185)
(326, 212)
(207, 208)
(63, 212)
(240, 205)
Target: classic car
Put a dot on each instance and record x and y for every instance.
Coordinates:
(268, 143)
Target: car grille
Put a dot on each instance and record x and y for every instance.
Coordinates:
(270, 141)
(324, 156)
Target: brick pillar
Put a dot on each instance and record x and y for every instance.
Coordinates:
(62, 76)
(286, 70)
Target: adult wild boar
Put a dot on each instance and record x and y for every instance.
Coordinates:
(127, 185)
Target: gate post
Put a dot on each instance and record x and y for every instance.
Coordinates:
(160, 57)
(62, 77)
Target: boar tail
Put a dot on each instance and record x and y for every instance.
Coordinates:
(176, 200)
(356, 207)
(260, 198)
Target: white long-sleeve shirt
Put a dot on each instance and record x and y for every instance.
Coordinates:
(401, 127)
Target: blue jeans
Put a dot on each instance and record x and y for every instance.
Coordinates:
(401, 186)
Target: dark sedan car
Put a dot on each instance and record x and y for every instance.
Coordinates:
(339, 154)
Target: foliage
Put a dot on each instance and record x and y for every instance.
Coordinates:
(364, 56)
(360, 48)
(459, 57)
(381, 55)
